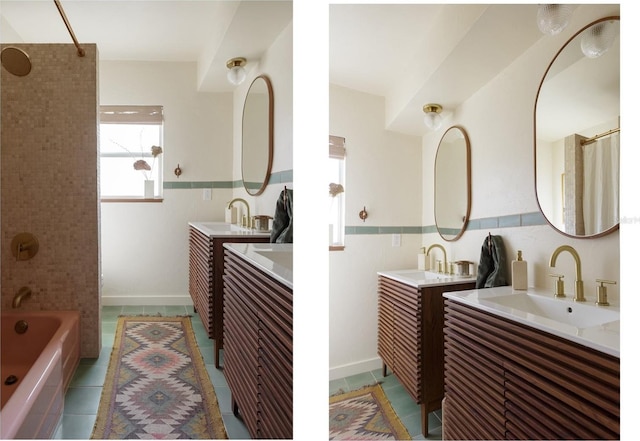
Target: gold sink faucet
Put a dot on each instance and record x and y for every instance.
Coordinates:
(579, 292)
(444, 253)
(245, 218)
(23, 293)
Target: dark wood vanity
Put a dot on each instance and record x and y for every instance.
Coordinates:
(258, 332)
(411, 339)
(206, 260)
(504, 380)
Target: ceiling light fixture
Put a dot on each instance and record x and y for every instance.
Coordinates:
(432, 118)
(598, 39)
(236, 74)
(552, 19)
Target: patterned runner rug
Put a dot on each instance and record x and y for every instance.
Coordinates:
(157, 386)
(364, 414)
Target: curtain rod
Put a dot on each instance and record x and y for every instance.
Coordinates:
(601, 135)
(66, 23)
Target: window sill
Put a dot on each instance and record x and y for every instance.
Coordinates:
(131, 199)
(336, 247)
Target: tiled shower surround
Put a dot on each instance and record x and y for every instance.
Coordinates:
(49, 183)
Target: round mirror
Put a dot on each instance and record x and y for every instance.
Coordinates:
(257, 136)
(577, 133)
(452, 194)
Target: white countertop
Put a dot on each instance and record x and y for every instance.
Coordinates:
(275, 259)
(224, 229)
(596, 327)
(421, 278)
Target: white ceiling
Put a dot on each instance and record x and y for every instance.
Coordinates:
(206, 31)
(414, 54)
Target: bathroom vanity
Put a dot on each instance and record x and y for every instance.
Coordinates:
(258, 334)
(524, 365)
(206, 258)
(410, 331)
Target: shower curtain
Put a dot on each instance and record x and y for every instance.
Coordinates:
(601, 184)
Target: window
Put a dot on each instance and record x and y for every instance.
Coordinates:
(337, 155)
(130, 152)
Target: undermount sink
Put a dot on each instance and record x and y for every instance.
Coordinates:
(282, 258)
(223, 226)
(580, 315)
(426, 275)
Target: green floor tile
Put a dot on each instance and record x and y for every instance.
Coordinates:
(88, 375)
(82, 400)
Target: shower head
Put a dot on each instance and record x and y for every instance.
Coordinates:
(16, 61)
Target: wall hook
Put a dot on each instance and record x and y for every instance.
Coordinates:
(363, 214)
(177, 171)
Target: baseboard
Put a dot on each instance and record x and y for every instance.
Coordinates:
(346, 370)
(140, 300)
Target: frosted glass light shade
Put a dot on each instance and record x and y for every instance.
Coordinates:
(552, 19)
(432, 120)
(598, 39)
(236, 75)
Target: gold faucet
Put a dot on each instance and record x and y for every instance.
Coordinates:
(245, 219)
(579, 293)
(23, 293)
(444, 253)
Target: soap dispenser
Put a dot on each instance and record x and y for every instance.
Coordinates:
(423, 262)
(519, 274)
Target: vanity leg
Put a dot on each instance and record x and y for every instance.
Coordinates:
(216, 353)
(384, 369)
(234, 407)
(425, 420)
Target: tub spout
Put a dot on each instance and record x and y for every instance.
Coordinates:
(22, 294)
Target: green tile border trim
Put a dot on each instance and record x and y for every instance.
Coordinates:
(508, 221)
(277, 178)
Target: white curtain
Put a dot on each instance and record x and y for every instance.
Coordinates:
(601, 184)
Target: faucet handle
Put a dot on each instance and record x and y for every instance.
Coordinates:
(601, 298)
(559, 285)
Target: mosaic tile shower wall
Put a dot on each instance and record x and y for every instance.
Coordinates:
(49, 183)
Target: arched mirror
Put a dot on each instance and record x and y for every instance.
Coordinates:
(257, 136)
(577, 133)
(452, 189)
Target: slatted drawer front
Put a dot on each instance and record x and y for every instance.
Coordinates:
(400, 332)
(552, 388)
(266, 333)
(201, 283)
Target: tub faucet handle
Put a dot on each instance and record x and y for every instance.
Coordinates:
(22, 294)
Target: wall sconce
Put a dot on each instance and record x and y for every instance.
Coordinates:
(552, 19)
(598, 39)
(236, 74)
(432, 118)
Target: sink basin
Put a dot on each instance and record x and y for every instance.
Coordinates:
(426, 275)
(223, 226)
(580, 315)
(282, 258)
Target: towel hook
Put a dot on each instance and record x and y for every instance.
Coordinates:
(363, 214)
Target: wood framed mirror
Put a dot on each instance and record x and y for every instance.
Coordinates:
(452, 184)
(576, 133)
(257, 136)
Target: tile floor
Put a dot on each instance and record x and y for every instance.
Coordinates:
(83, 396)
(406, 409)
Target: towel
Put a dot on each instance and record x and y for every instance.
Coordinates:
(492, 269)
(282, 229)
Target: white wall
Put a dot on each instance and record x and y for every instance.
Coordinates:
(383, 174)
(145, 245)
(502, 184)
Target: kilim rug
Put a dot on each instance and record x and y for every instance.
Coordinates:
(157, 386)
(364, 414)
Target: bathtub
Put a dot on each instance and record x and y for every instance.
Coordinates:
(35, 370)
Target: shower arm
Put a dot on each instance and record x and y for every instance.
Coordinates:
(66, 23)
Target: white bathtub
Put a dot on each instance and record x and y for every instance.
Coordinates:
(41, 363)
